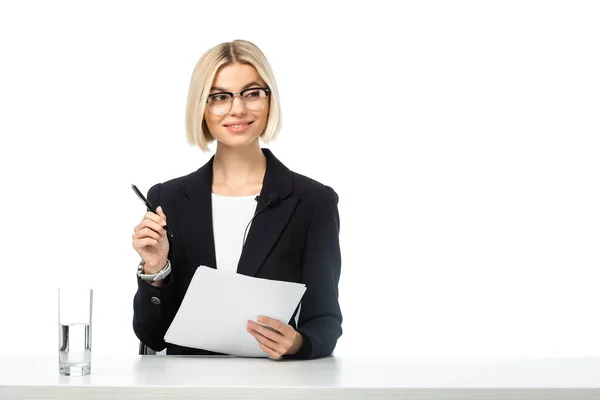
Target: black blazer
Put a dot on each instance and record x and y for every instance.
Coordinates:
(297, 241)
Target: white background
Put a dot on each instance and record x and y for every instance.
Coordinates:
(462, 138)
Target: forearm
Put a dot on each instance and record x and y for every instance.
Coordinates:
(149, 316)
(320, 337)
(320, 316)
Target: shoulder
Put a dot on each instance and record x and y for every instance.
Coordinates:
(172, 186)
(313, 190)
(281, 178)
(318, 200)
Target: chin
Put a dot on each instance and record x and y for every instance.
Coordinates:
(236, 141)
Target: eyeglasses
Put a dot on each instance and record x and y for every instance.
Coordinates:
(253, 98)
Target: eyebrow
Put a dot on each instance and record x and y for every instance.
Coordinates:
(245, 87)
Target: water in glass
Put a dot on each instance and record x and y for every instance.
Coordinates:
(75, 349)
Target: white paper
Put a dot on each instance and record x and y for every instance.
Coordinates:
(218, 304)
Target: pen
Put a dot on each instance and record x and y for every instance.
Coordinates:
(149, 206)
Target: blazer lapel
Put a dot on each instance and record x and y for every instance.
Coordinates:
(195, 210)
(194, 206)
(270, 222)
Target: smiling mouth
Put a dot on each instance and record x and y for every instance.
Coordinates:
(239, 125)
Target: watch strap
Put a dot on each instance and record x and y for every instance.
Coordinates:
(160, 275)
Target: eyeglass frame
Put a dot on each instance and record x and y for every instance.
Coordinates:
(232, 94)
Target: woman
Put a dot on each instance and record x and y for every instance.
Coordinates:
(233, 99)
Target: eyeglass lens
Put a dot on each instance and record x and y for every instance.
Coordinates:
(254, 99)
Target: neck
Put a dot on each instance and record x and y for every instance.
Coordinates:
(237, 167)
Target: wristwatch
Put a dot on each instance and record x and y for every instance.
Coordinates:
(160, 275)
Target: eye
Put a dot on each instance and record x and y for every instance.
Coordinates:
(252, 93)
(221, 97)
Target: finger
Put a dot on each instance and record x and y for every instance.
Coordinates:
(160, 212)
(275, 323)
(146, 232)
(266, 331)
(155, 217)
(146, 223)
(141, 243)
(272, 353)
(272, 344)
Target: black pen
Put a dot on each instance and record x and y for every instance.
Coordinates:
(149, 206)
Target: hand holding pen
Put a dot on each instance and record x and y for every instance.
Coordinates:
(149, 206)
(150, 237)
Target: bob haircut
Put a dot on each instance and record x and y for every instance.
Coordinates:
(238, 51)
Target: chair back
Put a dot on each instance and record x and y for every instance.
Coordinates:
(145, 351)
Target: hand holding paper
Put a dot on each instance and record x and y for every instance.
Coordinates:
(276, 338)
(217, 306)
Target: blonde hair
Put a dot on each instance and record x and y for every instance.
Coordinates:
(238, 51)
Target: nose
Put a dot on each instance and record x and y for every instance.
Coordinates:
(237, 106)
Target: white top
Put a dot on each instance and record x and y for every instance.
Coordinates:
(230, 216)
(127, 376)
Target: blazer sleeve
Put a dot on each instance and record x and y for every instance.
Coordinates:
(320, 320)
(149, 303)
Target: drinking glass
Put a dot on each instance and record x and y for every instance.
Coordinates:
(75, 331)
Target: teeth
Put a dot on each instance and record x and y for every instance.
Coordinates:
(237, 126)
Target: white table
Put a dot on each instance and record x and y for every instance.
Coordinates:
(158, 377)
